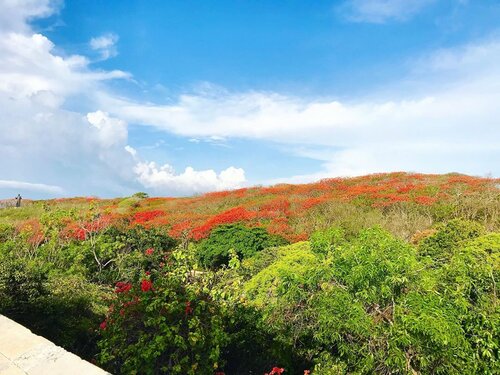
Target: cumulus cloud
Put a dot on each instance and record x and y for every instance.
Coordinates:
(164, 178)
(110, 131)
(105, 45)
(28, 65)
(380, 11)
(43, 140)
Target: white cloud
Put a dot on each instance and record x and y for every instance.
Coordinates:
(86, 151)
(110, 131)
(453, 101)
(164, 178)
(15, 13)
(392, 157)
(21, 185)
(132, 151)
(448, 120)
(29, 66)
(105, 45)
(380, 11)
(41, 140)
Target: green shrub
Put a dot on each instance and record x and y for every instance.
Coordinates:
(439, 245)
(469, 282)
(371, 305)
(290, 269)
(118, 254)
(326, 240)
(141, 195)
(62, 309)
(6, 232)
(164, 322)
(21, 284)
(214, 251)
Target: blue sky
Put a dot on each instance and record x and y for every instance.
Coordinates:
(182, 97)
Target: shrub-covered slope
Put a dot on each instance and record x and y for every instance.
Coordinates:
(400, 202)
(387, 274)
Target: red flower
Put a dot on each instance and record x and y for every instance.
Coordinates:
(220, 373)
(188, 309)
(232, 215)
(122, 287)
(131, 303)
(425, 200)
(148, 273)
(146, 216)
(146, 285)
(277, 371)
(149, 251)
(103, 325)
(80, 234)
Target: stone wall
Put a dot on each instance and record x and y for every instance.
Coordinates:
(24, 353)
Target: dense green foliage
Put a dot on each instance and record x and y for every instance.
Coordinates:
(397, 290)
(55, 306)
(246, 242)
(377, 305)
(60, 288)
(165, 321)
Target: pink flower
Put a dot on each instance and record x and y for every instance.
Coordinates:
(149, 251)
(103, 325)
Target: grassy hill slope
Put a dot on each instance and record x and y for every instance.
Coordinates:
(402, 203)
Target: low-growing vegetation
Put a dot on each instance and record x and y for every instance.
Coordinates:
(385, 274)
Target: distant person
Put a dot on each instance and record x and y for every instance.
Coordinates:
(18, 200)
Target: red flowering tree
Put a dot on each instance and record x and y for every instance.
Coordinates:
(234, 215)
(146, 218)
(164, 321)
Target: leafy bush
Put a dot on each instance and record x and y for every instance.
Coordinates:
(6, 232)
(290, 269)
(356, 298)
(372, 305)
(214, 251)
(21, 283)
(62, 309)
(439, 245)
(164, 322)
(116, 253)
(326, 240)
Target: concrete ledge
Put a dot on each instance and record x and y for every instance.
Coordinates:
(24, 353)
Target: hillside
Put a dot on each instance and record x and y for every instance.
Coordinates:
(292, 211)
(389, 273)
